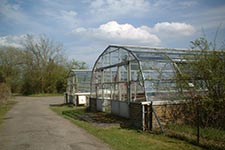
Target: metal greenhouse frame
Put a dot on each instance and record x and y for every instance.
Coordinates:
(125, 75)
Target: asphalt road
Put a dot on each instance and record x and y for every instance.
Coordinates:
(31, 125)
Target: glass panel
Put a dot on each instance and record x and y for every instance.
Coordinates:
(79, 81)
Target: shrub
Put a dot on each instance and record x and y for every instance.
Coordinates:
(4, 93)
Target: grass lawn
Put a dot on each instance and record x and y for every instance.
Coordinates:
(122, 138)
(209, 137)
(4, 108)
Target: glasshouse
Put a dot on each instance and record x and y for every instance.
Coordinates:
(128, 79)
(78, 87)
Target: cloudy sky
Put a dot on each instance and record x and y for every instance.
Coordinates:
(87, 27)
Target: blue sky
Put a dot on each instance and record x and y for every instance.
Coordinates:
(87, 27)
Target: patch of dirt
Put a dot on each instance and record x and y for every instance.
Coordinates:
(102, 119)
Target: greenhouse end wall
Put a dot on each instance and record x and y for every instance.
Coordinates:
(78, 86)
(120, 108)
(133, 111)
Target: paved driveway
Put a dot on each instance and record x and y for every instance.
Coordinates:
(31, 125)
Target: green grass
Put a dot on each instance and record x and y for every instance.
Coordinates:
(209, 137)
(209, 133)
(125, 139)
(4, 108)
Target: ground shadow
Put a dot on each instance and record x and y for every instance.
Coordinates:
(60, 105)
(100, 119)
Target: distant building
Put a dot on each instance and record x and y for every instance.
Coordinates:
(78, 87)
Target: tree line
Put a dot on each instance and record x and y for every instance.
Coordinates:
(40, 66)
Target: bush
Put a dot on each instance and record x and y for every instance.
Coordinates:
(4, 93)
(205, 71)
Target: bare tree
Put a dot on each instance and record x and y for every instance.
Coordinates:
(40, 54)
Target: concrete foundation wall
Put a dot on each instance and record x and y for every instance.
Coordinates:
(165, 113)
(120, 108)
(103, 105)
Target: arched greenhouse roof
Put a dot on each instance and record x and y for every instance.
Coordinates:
(134, 73)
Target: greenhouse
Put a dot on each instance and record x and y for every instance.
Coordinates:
(78, 86)
(124, 76)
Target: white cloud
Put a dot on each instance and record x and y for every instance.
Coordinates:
(187, 4)
(126, 34)
(114, 32)
(120, 33)
(173, 4)
(69, 13)
(68, 17)
(14, 41)
(173, 29)
(11, 12)
(15, 18)
(209, 19)
(109, 8)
